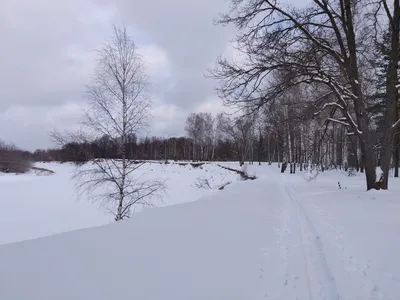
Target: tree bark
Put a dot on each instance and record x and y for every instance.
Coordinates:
(392, 96)
(396, 157)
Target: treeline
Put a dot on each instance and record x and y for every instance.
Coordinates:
(281, 136)
(13, 159)
(288, 133)
(149, 148)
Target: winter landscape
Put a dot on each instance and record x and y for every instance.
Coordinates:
(241, 149)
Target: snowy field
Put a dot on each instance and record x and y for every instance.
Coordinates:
(277, 237)
(33, 206)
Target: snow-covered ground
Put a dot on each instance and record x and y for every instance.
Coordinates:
(277, 237)
(33, 206)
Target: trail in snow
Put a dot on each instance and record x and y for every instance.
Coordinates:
(353, 273)
(298, 258)
(308, 257)
(321, 283)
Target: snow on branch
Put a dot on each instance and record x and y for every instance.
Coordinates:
(350, 133)
(338, 121)
(396, 124)
(333, 84)
(353, 123)
(328, 105)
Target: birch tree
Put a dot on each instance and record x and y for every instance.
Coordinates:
(118, 108)
(200, 128)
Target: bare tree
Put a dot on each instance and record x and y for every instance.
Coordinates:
(322, 47)
(193, 131)
(209, 136)
(118, 107)
(241, 131)
(200, 128)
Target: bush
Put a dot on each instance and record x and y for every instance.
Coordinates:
(351, 172)
(197, 165)
(14, 160)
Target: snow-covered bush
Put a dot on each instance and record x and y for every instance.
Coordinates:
(203, 183)
(351, 172)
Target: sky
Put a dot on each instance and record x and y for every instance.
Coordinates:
(47, 56)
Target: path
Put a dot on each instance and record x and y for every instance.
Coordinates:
(309, 259)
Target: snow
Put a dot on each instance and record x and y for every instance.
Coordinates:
(338, 121)
(277, 237)
(329, 104)
(397, 123)
(34, 206)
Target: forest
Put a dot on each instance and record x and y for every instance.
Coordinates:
(222, 139)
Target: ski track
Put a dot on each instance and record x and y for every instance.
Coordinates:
(321, 284)
(355, 271)
(298, 258)
(308, 251)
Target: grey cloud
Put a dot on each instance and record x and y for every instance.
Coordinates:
(186, 31)
(46, 57)
(191, 88)
(36, 68)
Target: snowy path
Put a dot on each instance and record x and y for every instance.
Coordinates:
(316, 262)
(302, 269)
(277, 237)
(349, 267)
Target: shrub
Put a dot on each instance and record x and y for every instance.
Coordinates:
(14, 160)
(351, 172)
(196, 165)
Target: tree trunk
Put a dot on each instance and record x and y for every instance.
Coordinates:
(118, 216)
(392, 95)
(352, 154)
(396, 155)
(369, 165)
(396, 158)
(385, 158)
(361, 163)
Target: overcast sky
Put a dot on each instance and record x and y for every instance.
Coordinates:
(47, 51)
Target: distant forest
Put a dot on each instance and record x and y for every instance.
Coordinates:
(220, 138)
(223, 138)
